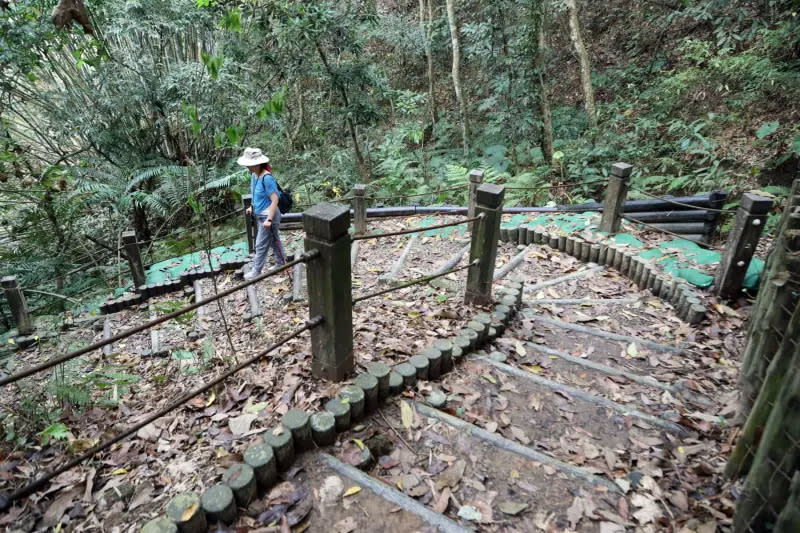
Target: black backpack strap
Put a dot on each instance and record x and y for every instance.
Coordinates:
(264, 185)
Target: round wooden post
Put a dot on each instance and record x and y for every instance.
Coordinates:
(249, 226)
(616, 192)
(360, 208)
(134, 259)
(19, 307)
(330, 293)
(486, 233)
(750, 219)
(475, 181)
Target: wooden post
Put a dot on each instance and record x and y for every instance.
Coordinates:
(18, 305)
(360, 208)
(249, 225)
(475, 181)
(750, 219)
(486, 233)
(330, 292)
(134, 259)
(616, 192)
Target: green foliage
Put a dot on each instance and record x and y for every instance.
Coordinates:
(767, 129)
(57, 431)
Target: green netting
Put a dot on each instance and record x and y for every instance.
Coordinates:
(692, 251)
(172, 268)
(441, 232)
(678, 257)
(628, 239)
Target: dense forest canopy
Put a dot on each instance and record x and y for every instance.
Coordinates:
(127, 114)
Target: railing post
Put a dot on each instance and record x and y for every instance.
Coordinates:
(360, 208)
(616, 193)
(18, 305)
(750, 219)
(475, 181)
(330, 292)
(249, 227)
(134, 259)
(486, 233)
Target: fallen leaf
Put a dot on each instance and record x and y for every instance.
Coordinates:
(406, 414)
(440, 506)
(649, 510)
(451, 476)
(352, 490)
(512, 508)
(520, 435)
(239, 425)
(468, 512)
(611, 527)
(633, 351)
(149, 432)
(331, 489)
(56, 510)
(575, 512)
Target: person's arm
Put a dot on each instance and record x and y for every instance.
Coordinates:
(272, 209)
(250, 209)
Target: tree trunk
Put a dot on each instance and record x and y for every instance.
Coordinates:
(546, 134)
(294, 132)
(425, 27)
(140, 223)
(583, 57)
(456, 42)
(348, 121)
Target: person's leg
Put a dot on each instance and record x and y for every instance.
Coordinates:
(263, 239)
(277, 246)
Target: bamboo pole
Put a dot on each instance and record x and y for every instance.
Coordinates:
(766, 489)
(783, 361)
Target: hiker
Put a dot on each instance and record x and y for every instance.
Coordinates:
(264, 190)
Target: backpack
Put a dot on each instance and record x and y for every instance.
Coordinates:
(285, 200)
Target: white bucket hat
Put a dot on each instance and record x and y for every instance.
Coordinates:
(252, 156)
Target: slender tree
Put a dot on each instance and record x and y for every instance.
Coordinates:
(539, 46)
(583, 57)
(425, 22)
(456, 43)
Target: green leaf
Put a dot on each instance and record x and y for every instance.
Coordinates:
(767, 129)
(57, 431)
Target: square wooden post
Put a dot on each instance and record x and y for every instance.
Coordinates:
(360, 208)
(134, 259)
(616, 193)
(475, 181)
(485, 235)
(330, 293)
(19, 307)
(750, 219)
(249, 226)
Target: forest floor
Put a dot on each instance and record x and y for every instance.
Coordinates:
(661, 480)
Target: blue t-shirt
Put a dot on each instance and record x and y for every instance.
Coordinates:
(261, 189)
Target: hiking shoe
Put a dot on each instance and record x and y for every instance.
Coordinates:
(251, 274)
